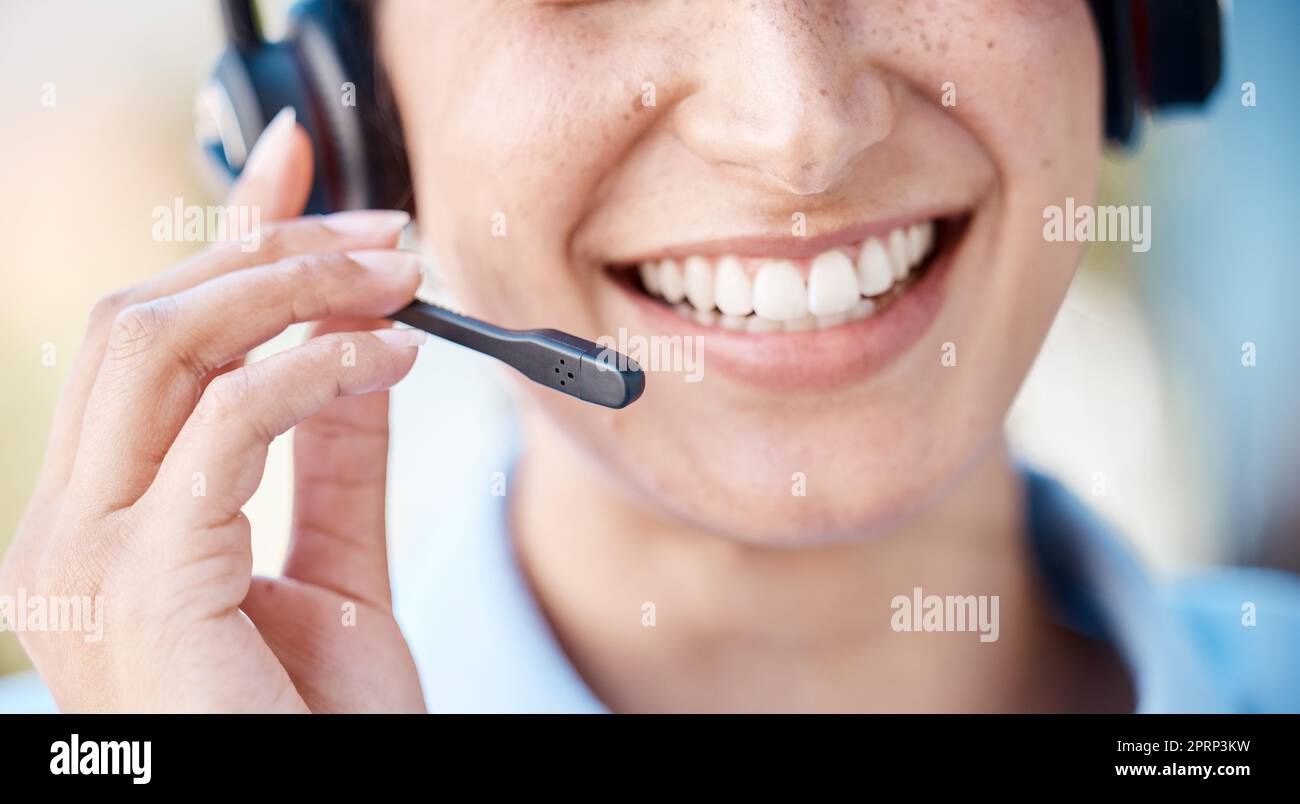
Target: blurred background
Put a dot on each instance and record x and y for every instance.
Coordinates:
(1139, 402)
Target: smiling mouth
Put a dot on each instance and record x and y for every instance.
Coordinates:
(837, 286)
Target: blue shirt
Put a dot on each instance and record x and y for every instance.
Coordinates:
(482, 643)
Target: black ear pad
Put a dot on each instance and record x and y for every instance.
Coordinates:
(333, 40)
(1186, 48)
(1114, 21)
(342, 171)
(319, 69)
(1156, 54)
(254, 80)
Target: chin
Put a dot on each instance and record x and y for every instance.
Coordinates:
(863, 494)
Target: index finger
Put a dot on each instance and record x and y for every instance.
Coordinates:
(226, 438)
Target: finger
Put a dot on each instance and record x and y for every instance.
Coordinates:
(160, 352)
(360, 229)
(275, 182)
(338, 538)
(223, 445)
(340, 232)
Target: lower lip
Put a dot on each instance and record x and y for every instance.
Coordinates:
(814, 360)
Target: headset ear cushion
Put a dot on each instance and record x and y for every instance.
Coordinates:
(1186, 51)
(360, 149)
(227, 115)
(324, 68)
(1114, 21)
(246, 90)
(332, 100)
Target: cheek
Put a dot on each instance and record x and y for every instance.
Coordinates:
(510, 145)
(1022, 76)
(1030, 93)
(1033, 91)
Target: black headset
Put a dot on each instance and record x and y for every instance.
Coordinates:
(1157, 54)
(322, 65)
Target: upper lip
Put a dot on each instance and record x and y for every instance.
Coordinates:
(786, 246)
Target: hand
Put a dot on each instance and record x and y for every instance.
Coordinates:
(160, 438)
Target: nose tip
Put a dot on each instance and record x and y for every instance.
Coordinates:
(807, 178)
(798, 139)
(809, 163)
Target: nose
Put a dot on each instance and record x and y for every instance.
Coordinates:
(786, 99)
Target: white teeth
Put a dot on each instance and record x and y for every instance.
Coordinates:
(832, 284)
(919, 239)
(804, 323)
(734, 292)
(898, 253)
(875, 274)
(779, 293)
(649, 277)
(699, 283)
(865, 308)
(671, 285)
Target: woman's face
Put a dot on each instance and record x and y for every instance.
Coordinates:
(760, 154)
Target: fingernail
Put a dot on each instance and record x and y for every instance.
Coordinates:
(367, 221)
(387, 260)
(401, 337)
(273, 142)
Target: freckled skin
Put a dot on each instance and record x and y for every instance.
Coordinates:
(761, 109)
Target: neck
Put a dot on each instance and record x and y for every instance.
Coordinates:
(658, 615)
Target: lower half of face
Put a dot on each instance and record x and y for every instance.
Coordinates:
(819, 229)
